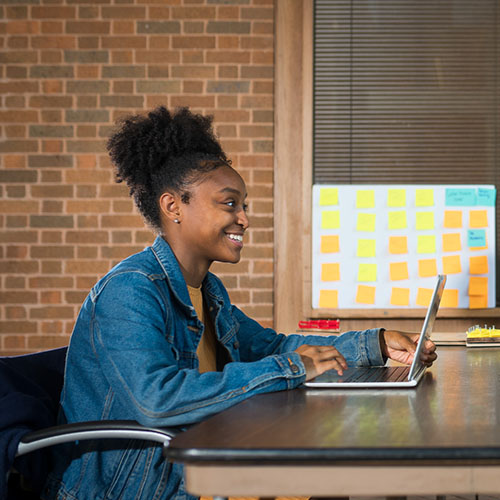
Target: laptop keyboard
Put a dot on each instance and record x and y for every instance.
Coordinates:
(376, 374)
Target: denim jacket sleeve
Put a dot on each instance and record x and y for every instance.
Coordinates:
(130, 341)
(360, 348)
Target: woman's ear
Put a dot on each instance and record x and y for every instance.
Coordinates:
(170, 206)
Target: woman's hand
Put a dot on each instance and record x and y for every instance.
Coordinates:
(401, 347)
(318, 359)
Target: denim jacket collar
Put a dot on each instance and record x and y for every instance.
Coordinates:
(175, 279)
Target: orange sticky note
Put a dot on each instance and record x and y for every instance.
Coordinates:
(365, 294)
(478, 301)
(400, 297)
(398, 271)
(478, 285)
(424, 296)
(452, 219)
(427, 268)
(478, 218)
(398, 244)
(452, 242)
(452, 264)
(329, 299)
(450, 298)
(478, 265)
(330, 272)
(330, 244)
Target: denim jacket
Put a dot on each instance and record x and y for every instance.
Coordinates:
(132, 355)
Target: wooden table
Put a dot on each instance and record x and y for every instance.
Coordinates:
(441, 438)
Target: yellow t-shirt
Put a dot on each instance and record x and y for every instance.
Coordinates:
(207, 348)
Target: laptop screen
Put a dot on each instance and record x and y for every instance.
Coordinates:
(428, 325)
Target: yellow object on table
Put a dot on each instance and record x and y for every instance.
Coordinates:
(482, 337)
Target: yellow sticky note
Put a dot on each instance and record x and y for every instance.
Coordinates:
(452, 219)
(452, 242)
(478, 285)
(398, 244)
(400, 297)
(478, 218)
(365, 198)
(366, 248)
(330, 244)
(478, 265)
(397, 220)
(396, 198)
(424, 220)
(330, 272)
(424, 296)
(427, 268)
(478, 301)
(329, 299)
(450, 298)
(328, 196)
(452, 264)
(366, 222)
(426, 244)
(367, 272)
(330, 219)
(398, 271)
(365, 294)
(424, 197)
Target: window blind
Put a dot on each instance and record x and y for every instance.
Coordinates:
(407, 91)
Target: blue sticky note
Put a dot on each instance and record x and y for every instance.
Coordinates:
(476, 238)
(460, 197)
(486, 197)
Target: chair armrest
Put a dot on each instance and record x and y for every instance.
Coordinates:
(100, 429)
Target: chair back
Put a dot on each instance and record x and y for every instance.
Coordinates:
(30, 387)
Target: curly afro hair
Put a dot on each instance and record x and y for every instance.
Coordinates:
(163, 151)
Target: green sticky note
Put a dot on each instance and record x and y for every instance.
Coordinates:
(424, 197)
(396, 198)
(366, 222)
(328, 196)
(366, 248)
(426, 244)
(365, 198)
(424, 220)
(330, 219)
(397, 220)
(367, 272)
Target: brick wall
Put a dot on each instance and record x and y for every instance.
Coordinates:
(69, 69)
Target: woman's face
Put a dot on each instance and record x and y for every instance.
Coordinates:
(214, 220)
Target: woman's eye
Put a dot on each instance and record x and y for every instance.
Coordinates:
(245, 207)
(231, 203)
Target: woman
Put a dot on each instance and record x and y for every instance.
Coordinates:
(158, 340)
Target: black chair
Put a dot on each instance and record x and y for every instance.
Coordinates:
(30, 386)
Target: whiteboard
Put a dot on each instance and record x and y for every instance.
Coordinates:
(382, 246)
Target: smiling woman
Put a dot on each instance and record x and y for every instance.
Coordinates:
(157, 340)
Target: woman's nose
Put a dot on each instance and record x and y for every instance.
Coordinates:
(243, 219)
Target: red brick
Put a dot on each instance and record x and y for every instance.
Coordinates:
(86, 27)
(18, 327)
(90, 266)
(16, 27)
(193, 42)
(53, 42)
(48, 12)
(123, 12)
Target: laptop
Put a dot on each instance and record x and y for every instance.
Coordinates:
(386, 376)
